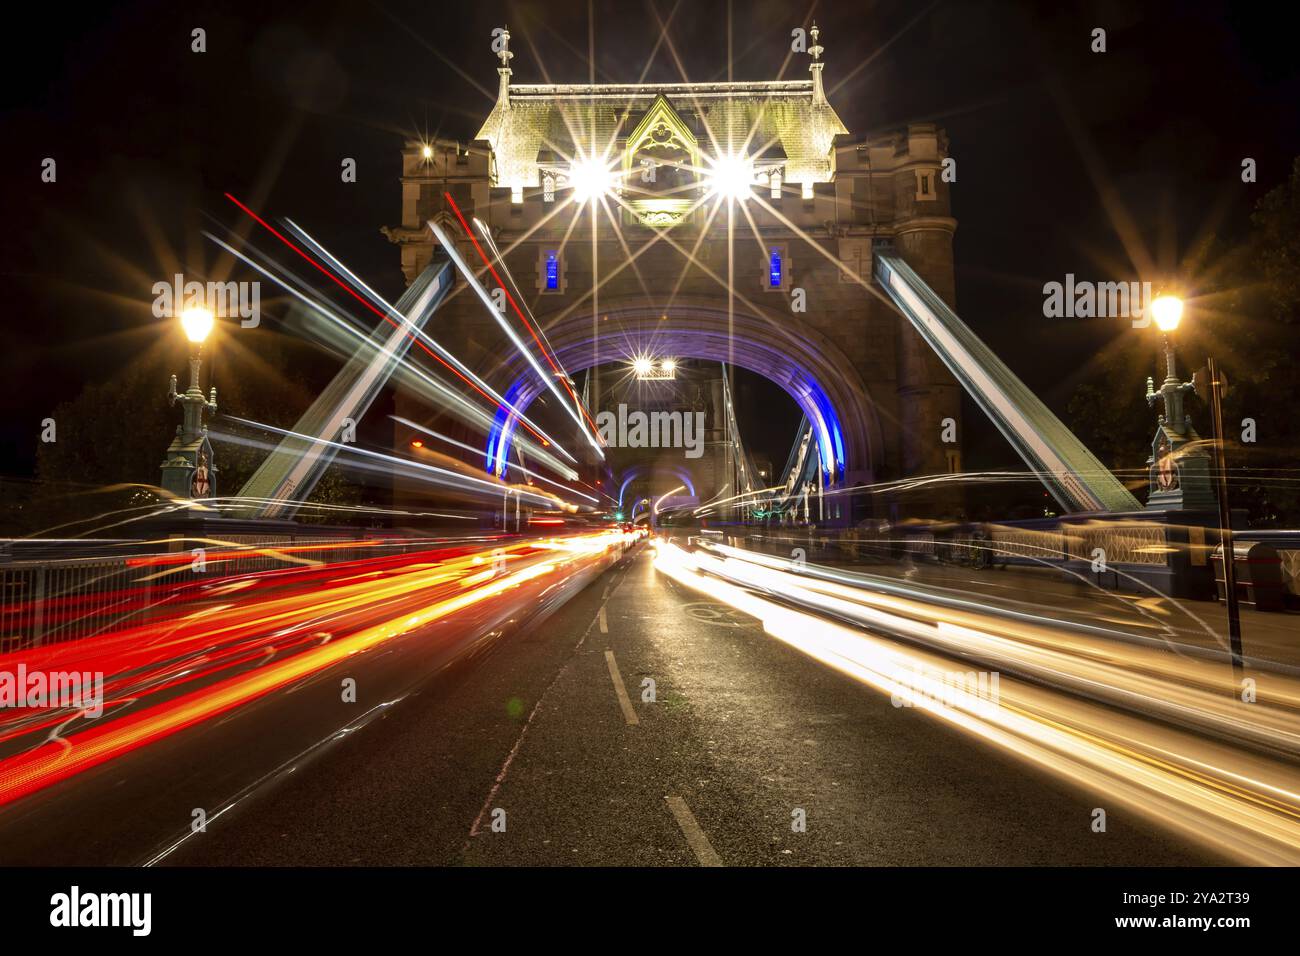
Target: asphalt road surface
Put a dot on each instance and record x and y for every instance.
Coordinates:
(539, 749)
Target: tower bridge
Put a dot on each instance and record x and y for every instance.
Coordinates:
(729, 222)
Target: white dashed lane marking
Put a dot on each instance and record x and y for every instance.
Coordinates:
(619, 689)
(699, 843)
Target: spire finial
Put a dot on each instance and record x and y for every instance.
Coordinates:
(815, 67)
(504, 54)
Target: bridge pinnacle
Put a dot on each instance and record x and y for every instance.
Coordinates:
(815, 67)
(505, 56)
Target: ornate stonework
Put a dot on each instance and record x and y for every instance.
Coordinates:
(820, 200)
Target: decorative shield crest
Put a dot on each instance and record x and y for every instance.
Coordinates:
(200, 486)
(1166, 471)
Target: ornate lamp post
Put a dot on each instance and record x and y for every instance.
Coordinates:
(1181, 478)
(1179, 475)
(188, 471)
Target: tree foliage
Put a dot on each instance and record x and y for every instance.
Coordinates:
(1245, 312)
(112, 436)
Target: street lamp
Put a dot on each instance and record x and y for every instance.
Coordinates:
(187, 471)
(1167, 310)
(1181, 480)
(197, 323)
(1176, 481)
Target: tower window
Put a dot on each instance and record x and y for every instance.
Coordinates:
(925, 185)
(777, 265)
(552, 269)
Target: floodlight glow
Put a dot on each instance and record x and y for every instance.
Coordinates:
(590, 179)
(731, 177)
(427, 152)
(669, 366)
(1167, 310)
(197, 323)
(642, 366)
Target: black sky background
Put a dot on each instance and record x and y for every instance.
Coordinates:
(148, 136)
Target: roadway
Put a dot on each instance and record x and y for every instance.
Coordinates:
(745, 730)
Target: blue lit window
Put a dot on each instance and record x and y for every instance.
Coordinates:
(552, 270)
(774, 269)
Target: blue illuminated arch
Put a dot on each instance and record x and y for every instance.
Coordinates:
(811, 370)
(640, 471)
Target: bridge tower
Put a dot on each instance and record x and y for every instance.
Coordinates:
(779, 282)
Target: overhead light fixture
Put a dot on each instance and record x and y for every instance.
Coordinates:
(647, 370)
(590, 179)
(731, 176)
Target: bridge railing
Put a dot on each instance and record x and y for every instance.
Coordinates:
(57, 591)
(46, 601)
(1139, 551)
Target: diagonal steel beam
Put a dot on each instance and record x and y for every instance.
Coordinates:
(1070, 472)
(289, 474)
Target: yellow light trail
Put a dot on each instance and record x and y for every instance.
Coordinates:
(1243, 803)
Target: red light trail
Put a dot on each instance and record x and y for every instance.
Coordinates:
(230, 640)
(511, 299)
(387, 318)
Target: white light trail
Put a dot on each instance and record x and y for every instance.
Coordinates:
(494, 487)
(1085, 711)
(450, 248)
(454, 399)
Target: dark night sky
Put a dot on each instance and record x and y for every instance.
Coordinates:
(148, 136)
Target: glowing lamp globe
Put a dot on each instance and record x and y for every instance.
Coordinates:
(197, 323)
(1167, 310)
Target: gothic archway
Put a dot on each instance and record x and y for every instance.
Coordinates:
(812, 370)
